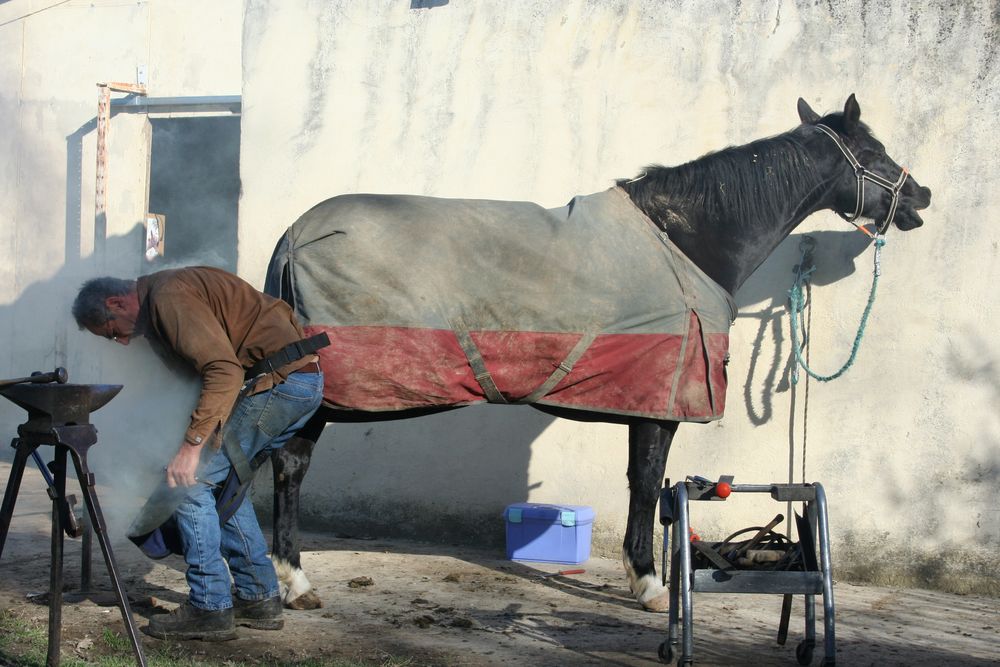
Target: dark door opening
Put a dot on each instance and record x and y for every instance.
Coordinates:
(195, 183)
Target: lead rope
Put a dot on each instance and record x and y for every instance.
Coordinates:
(797, 304)
(805, 408)
(800, 298)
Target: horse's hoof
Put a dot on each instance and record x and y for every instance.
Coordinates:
(648, 591)
(659, 604)
(307, 600)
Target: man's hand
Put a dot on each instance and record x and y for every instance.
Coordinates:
(182, 468)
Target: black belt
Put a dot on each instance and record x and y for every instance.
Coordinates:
(288, 354)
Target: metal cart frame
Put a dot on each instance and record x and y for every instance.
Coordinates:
(684, 580)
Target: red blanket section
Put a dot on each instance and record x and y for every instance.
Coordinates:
(381, 369)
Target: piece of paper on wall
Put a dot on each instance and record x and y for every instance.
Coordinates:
(155, 225)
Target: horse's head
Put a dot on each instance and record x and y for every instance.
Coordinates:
(872, 184)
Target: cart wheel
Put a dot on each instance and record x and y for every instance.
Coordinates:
(666, 652)
(804, 652)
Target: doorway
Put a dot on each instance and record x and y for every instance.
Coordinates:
(195, 183)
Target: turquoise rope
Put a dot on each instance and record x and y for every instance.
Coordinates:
(797, 304)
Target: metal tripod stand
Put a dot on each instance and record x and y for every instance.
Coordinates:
(58, 416)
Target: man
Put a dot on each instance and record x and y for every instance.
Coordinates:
(257, 390)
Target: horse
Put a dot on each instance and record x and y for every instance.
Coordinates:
(726, 212)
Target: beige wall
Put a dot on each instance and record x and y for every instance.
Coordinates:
(526, 99)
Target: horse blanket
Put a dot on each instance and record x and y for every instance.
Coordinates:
(432, 302)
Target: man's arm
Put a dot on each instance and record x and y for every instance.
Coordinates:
(191, 329)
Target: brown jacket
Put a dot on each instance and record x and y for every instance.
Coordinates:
(220, 325)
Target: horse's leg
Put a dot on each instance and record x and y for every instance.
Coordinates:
(290, 464)
(648, 446)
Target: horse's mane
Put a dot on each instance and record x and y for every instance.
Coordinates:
(741, 184)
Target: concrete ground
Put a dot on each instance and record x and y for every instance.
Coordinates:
(448, 605)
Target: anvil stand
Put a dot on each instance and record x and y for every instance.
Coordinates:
(59, 416)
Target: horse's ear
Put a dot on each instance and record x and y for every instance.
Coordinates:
(852, 112)
(806, 114)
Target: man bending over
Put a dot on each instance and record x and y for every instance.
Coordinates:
(260, 383)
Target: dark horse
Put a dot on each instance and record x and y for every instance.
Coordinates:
(726, 211)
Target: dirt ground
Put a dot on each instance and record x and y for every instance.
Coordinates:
(446, 605)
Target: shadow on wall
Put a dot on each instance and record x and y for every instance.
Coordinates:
(445, 477)
(836, 255)
(969, 480)
(140, 426)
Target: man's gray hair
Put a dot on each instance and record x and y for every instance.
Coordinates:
(89, 308)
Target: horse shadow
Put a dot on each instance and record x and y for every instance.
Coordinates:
(764, 300)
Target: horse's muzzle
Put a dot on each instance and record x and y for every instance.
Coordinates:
(922, 199)
(913, 199)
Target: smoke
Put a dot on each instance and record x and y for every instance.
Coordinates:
(141, 429)
(194, 182)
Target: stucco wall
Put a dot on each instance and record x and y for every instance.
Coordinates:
(540, 101)
(525, 99)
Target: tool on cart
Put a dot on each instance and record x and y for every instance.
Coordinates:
(767, 562)
(766, 550)
(59, 416)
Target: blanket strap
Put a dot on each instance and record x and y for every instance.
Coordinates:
(561, 371)
(483, 376)
(489, 387)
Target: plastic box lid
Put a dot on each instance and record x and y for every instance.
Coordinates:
(565, 515)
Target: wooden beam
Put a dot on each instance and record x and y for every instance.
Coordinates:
(119, 87)
(101, 187)
(100, 191)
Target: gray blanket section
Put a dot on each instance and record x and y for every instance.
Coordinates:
(596, 265)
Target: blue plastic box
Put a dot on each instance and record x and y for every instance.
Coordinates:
(548, 533)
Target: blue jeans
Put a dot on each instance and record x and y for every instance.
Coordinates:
(260, 421)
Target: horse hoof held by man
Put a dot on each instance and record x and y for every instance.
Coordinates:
(260, 384)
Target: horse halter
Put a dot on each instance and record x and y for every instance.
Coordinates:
(863, 175)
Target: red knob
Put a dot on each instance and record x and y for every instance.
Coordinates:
(722, 489)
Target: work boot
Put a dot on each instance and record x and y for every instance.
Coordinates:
(259, 614)
(190, 622)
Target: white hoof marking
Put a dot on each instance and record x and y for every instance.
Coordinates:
(647, 589)
(291, 580)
